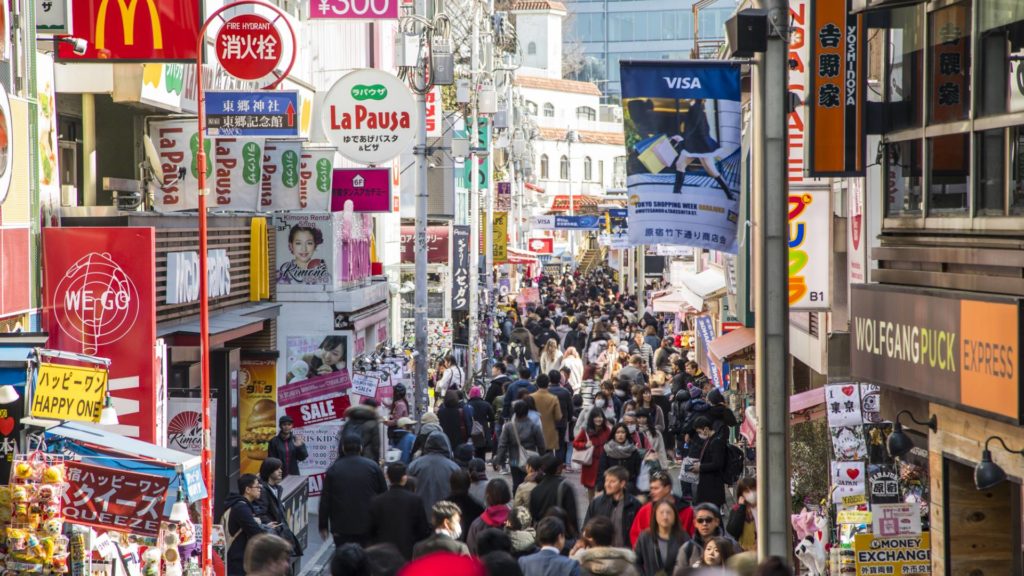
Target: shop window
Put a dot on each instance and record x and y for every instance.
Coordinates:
(588, 169)
(991, 161)
(906, 66)
(949, 31)
(948, 171)
(982, 527)
(543, 166)
(903, 178)
(1017, 170)
(549, 110)
(1001, 24)
(531, 108)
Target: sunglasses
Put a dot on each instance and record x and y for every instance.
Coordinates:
(705, 520)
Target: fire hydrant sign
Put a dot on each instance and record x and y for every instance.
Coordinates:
(248, 46)
(271, 113)
(69, 392)
(368, 115)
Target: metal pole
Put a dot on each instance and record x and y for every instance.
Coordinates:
(641, 265)
(420, 311)
(771, 254)
(474, 198)
(572, 207)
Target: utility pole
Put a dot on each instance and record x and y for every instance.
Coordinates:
(420, 385)
(489, 302)
(771, 259)
(474, 194)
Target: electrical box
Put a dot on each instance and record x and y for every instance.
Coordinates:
(500, 121)
(407, 50)
(487, 99)
(443, 64)
(462, 91)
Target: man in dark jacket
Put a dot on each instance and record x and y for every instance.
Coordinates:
(242, 521)
(447, 531)
(348, 490)
(361, 420)
(553, 490)
(565, 404)
(544, 334)
(433, 470)
(287, 447)
(398, 502)
(616, 480)
(523, 383)
(499, 379)
(711, 467)
(575, 338)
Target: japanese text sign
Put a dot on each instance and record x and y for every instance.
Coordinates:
(113, 499)
(263, 113)
(353, 9)
(705, 326)
(437, 244)
(368, 115)
(460, 267)
(52, 16)
(810, 249)
(69, 392)
(365, 384)
(499, 237)
(897, 519)
(837, 106)
(149, 30)
(369, 189)
(248, 46)
(898, 556)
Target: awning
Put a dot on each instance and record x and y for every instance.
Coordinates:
(16, 348)
(516, 256)
(732, 343)
(561, 202)
(700, 287)
(673, 302)
(534, 188)
(807, 406)
(233, 323)
(860, 6)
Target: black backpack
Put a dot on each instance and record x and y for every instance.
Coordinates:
(735, 462)
(519, 354)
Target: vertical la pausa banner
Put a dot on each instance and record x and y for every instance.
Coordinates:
(682, 125)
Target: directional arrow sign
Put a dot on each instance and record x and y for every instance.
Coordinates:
(263, 113)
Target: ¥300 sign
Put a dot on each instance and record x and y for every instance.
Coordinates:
(368, 116)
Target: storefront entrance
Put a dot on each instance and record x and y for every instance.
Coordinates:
(983, 527)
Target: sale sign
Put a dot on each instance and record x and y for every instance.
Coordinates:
(318, 411)
(114, 499)
(140, 30)
(100, 300)
(353, 9)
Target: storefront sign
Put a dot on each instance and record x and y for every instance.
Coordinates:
(542, 245)
(237, 173)
(810, 250)
(369, 189)
(799, 122)
(941, 347)
(368, 115)
(112, 499)
(499, 237)
(64, 392)
(150, 30)
(176, 143)
(683, 189)
(837, 98)
(483, 162)
(183, 276)
(460, 268)
(264, 113)
(847, 479)
(315, 172)
(101, 300)
(900, 556)
(279, 188)
(185, 426)
(365, 384)
(257, 411)
(353, 9)
(853, 517)
(902, 519)
(437, 244)
(248, 46)
(586, 222)
(51, 16)
(856, 236)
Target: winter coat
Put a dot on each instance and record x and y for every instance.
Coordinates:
(575, 366)
(484, 414)
(513, 392)
(243, 524)
(565, 404)
(722, 419)
(607, 561)
(649, 559)
(548, 563)
(692, 552)
(588, 476)
(287, 452)
(604, 505)
(348, 490)
(711, 483)
(554, 491)
(398, 502)
(456, 421)
(493, 517)
(433, 470)
(364, 419)
(270, 509)
(531, 437)
(523, 337)
(470, 510)
(643, 520)
(550, 414)
(631, 463)
(438, 542)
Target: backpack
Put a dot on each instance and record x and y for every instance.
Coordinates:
(519, 354)
(735, 460)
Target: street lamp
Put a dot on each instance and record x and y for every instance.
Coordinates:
(571, 136)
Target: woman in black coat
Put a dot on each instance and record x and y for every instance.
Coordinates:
(484, 414)
(456, 420)
(711, 467)
(620, 451)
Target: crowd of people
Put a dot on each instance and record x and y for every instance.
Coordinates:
(583, 382)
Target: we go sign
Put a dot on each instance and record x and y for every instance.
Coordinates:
(353, 9)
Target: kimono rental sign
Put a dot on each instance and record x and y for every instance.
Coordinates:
(682, 124)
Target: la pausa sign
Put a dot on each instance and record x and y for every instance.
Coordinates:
(367, 116)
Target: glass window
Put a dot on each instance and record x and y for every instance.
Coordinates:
(1001, 49)
(588, 169)
(531, 108)
(589, 27)
(948, 168)
(1017, 170)
(906, 67)
(600, 172)
(586, 113)
(903, 180)
(543, 166)
(531, 49)
(950, 35)
(619, 172)
(990, 188)
(549, 110)
(563, 168)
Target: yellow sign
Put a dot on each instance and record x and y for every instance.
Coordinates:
(500, 237)
(257, 411)
(855, 500)
(853, 517)
(127, 10)
(898, 556)
(69, 392)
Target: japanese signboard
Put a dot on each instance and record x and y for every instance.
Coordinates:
(837, 98)
(483, 163)
(368, 115)
(950, 40)
(587, 222)
(460, 268)
(437, 244)
(64, 392)
(503, 197)
(52, 16)
(279, 187)
(100, 300)
(353, 9)
(369, 189)
(810, 249)
(315, 172)
(176, 143)
(237, 169)
(898, 519)
(306, 252)
(113, 499)
(939, 346)
(264, 113)
(248, 46)
(847, 479)
(257, 410)
(897, 556)
(499, 237)
(141, 30)
(542, 245)
(435, 113)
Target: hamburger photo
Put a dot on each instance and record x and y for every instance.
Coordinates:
(260, 428)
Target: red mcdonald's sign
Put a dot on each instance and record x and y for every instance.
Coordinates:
(141, 30)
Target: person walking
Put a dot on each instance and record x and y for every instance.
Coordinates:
(708, 521)
(563, 425)
(553, 490)
(661, 489)
(447, 531)
(469, 508)
(549, 560)
(571, 360)
(659, 544)
(483, 413)
(742, 523)
(620, 451)
(498, 497)
(550, 357)
(269, 507)
(596, 554)
(453, 378)
(512, 394)
(268, 555)
(550, 412)
(433, 470)
(711, 464)
(348, 490)
(287, 447)
(362, 421)
(398, 502)
(519, 438)
(595, 435)
(242, 523)
(617, 504)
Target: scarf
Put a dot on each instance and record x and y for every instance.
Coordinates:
(619, 451)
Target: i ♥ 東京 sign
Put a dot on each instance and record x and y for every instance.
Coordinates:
(368, 116)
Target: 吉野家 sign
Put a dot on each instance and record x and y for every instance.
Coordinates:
(369, 189)
(368, 116)
(353, 9)
(263, 113)
(140, 30)
(183, 276)
(64, 392)
(248, 46)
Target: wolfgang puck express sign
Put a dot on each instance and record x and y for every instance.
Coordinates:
(940, 346)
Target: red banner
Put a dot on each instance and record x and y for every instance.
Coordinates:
(100, 299)
(542, 245)
(437, 244)
(149, 30)
(115, 499)
(318, 411)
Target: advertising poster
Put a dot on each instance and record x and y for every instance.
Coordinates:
(315, 178)
(151, 30)
(237, 171)
(279, 187)
(900, 555)
(185, 428)
(460, 268)
(848, 479)
(100, 300)
(176, 143)
(682, 127)
(315, 395)
(706, 332)
(437, 244)
(257, 411)
(810, 249)
(856, 236)
(305, 254)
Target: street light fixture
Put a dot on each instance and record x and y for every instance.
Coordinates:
(988, 474)
(899, 443)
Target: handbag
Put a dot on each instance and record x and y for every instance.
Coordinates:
(584, 457)
(522, 454)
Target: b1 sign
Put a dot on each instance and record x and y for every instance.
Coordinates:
(369, 189)
(368, 116)
(353, 9)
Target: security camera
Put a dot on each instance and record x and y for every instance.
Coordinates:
(79, 46)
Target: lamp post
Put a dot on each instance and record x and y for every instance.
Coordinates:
(570, 137)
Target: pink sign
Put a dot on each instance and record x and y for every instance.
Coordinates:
(353, 9)
(369, 189)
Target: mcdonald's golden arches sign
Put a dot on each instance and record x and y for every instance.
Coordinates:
(141, 30)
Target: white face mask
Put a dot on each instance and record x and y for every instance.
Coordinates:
(631, 428)
(599, 403)
(704, 435)
(457, 532)
(750, 497)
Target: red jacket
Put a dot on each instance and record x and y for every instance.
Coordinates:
(642, 521)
